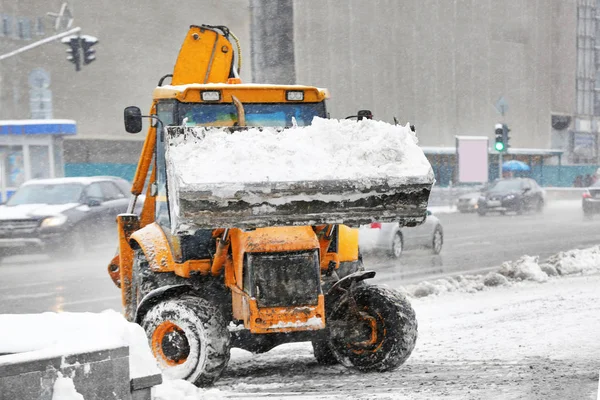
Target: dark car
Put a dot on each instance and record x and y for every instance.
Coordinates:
(590, 201)
(511, 195)
(62, 216)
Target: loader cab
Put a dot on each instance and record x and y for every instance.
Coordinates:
(262, 105)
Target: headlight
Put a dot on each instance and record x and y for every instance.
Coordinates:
(54, 221)
(509, 197)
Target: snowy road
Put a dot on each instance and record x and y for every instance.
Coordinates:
(475, 244)
(528, 341)
(36, 284)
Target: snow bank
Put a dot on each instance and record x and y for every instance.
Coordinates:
(32, 336)
(526, 268)
(64, 389)
(329, 149)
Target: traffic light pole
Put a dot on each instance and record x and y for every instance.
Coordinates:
(39, 43)
(500, 165)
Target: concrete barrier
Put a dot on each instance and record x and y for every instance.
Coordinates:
(97, 375)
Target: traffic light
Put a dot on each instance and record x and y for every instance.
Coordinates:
(74, 54)
(89, 54)
(80, 49)
(500, 144)
(505, 137)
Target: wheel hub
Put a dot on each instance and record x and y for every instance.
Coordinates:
(175, 346)
(171, 344)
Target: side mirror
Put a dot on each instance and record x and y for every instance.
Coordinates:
(93, 202)
(133, 119)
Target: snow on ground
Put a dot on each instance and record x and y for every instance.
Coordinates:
(527, 268)
(527, 331)
(33, 336)
(327, 149)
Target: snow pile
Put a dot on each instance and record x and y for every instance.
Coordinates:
(329, 149)
(72, 333)
(64, 389)
(527, 268)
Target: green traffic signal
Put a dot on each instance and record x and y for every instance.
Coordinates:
(499, 146)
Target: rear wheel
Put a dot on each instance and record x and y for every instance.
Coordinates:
(397, 245)
(481, 212)
(373, 328)
(189, 338)
(323, 353)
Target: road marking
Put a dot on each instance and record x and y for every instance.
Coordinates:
(28, 296)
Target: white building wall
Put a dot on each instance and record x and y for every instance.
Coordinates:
(443, 64)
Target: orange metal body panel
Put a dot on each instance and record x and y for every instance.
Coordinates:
(283, 319)
(126, 225)
(154, 244)
(270, 240)
(214, 52)
(246, 93)
(143, 167)
(347, 243)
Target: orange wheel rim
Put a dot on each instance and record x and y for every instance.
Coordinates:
(161, 334)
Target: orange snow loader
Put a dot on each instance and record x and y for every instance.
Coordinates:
(203, 270)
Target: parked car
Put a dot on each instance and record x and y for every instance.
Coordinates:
(590, 201)
(511, 195)
(392, 240)
(62, 216)
(468, 202)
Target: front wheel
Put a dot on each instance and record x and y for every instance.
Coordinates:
(372, 328)
(189, 338)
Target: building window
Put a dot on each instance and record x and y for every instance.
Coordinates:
(13, 167)
(6, 25)
(24, 25)
(39, 157)
(40, 27)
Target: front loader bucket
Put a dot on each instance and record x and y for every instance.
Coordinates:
(258, 177)
(302, 203)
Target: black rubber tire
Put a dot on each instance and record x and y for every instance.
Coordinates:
(481, 212)
(397, 240)
(206, 333)
(141, 283)
(396, 326)
(144, 280)
(323, 353)
(438, 234)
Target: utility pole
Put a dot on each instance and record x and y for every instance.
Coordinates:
(39, 43)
